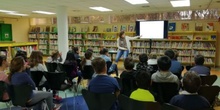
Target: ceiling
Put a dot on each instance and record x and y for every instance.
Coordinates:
(81, 7)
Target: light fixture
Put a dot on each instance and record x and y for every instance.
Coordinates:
(44, 12)
(102, 9)
(17, 14)
(6, 11)
(180, 3)
(137, 2)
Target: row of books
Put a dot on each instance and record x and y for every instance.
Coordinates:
(93, 36)
(33, 40)
(55, 47)
(203, 45)
(42, 41)
(53, 41)
(53, 36)
(43, 47)
(109, 43)
(205, 53)
(198, 26)
(92, 43)
(75, 36)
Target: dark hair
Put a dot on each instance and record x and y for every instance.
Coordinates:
(17, 63)
(104, 50)
(199, 59)
(98, 64)
(55, 55)
(191, 81)
(164, 63)
(36, 57)
(143, 79)
(121, 33)
(128, 63)
(2, 58)
(176, 54)
(89, 49)
(170, 53)
(143, 58)
(87, 55)
(22, 54)
(70, 58)
(75, 49)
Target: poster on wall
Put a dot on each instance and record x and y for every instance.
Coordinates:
(185, 26)
(198, 27)
(209, 27)
(172, 26)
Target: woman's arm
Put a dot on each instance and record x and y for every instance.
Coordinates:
(132, 38)
(121, 48)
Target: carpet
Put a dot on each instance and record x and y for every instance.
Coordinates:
(74, 103)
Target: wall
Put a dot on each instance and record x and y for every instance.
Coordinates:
(20, 28)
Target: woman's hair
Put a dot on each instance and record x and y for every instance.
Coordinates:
(121, 33)
(2, 58)
(87, 55)
(70, 58)
(16, 65)
(36, 58)
(55, 55)
(22, 54)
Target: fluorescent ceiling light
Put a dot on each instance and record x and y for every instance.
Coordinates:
(102, 9)
(180, 3)
(17, 14)
(44, 12)
(136, 2)
(6, 11)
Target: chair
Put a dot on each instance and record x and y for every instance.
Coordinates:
(167, 106)
(68, 69)
(208, 80)
(3, 89)
(56, 81)
(20, 95)
(164, 91)
(99, 101)
(210, 93)
(129, 104)
(87, 72)
(128, 85)
(36, 77)
(51, 67)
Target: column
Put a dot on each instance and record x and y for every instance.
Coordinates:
(62, 26)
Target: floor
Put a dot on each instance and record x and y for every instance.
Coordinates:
(69, 93)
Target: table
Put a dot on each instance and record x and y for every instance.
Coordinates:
(111, 53)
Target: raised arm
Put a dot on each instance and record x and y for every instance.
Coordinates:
(132, 38)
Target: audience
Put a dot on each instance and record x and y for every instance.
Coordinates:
(143, 65)
(164, 74)
(103, 83)
(152, 59)
(176, 67)
(189, 99)
(128, 77)
(105, 56)
(24, 55)
(18, 76)
(56, 57)
(76, 52)
(199, 67)
(3, 77)
(87, 61)
(143, 80)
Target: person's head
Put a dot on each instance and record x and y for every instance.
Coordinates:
(75, 50)
(104, 51)
(143, 58)
(122, 34)
(129, 63)
(88, 55)
(143, 79)
(199, 59)
(17, 65)
(55, 55)
(89, 49)
(152, 56)
(191, 82)
(70, 56)
(170, 53)
(99, 65)
(36, 57)
(164, 63)
(3, 62)
(22, 54)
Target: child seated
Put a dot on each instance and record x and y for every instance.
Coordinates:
(143, 80)
(143, 65)
(199, 67)
(189, 99)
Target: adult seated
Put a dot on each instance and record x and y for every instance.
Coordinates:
(199, 67)
(189, 99)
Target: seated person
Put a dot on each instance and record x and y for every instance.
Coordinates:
(176, 67)
(56, 57)
(128, 77)
(24, 55)
(189, 99)
(143, 65)
(105, 56)
(18, 76)
(87, 61)
(143, 80)
(164, 74)
(103, 83)
(3, 76)
(199, 67)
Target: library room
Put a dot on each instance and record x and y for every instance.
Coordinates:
(110, 55)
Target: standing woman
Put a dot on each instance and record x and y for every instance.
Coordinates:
(124, 45)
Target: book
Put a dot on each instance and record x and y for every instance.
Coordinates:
(108, 29)
(130, 28)
(123, 28)
(198, 27)
(85, 29)
(209, 27)
(185, 26)
(95, 29)
(115, 28)
(172, 26)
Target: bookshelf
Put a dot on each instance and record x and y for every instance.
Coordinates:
(188, 44)
(77, 39)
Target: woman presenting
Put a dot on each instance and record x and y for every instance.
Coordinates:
(124, 45)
